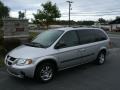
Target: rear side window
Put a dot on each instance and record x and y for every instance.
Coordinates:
(88, 36)
(99, 35)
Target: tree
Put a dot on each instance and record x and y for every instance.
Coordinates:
(4, 12)
(47, 15)
(88, 23)
(117, 17)
(101, 20)
(21, 15)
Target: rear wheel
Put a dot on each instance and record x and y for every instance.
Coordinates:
(101, 58)
(45, 72)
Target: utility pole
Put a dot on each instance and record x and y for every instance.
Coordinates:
(25, 13)
(69, 2)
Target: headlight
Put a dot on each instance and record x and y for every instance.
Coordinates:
(23, 62)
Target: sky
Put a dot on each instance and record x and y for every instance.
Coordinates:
(80, 9)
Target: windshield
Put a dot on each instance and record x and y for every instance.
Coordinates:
(47, 38)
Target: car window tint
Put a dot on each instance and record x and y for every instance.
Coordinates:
(99, 35)
(86, 36)
(90, 35)
(70, 39)
(47, 38)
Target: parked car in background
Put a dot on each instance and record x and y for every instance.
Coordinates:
(55, 50)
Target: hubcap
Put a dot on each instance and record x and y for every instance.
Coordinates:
(46, 73)
(102, 58)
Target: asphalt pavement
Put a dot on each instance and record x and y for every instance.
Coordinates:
(85, 77)
(115, 39)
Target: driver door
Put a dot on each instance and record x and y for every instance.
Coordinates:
(68, 53)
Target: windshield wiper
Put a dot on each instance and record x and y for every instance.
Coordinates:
(34, 44)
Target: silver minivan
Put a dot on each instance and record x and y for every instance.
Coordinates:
(55, 50)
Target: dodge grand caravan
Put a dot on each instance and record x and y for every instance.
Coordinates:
(55, 50)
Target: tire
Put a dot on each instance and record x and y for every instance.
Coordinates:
(101, 58)
(45, 72)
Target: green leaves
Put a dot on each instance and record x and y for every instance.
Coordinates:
(4, 10)
(21, 15)
(101, 20)
(48, 14)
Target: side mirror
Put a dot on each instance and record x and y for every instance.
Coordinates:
(60, 45)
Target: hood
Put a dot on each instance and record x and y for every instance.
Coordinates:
(24, 51)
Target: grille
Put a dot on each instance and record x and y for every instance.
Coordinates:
(10, 60)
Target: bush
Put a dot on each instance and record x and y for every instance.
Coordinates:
(8, 44)
(1, 62)
(12, 43)
(3, 51)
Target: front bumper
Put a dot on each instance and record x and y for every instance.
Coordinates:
(21, 71)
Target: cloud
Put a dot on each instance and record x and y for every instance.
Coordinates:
(81, 9)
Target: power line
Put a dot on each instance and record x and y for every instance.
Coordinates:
(92, 15)
(100, 12)
(93, 7)
(97, 4)
(97, 13)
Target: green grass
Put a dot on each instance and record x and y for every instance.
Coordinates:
(1, 62)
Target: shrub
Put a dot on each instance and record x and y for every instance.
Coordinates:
(8, 44)
(12, 43)
(2, 49)
(1, 62)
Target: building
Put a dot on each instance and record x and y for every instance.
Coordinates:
(115, 25)
(15, 27)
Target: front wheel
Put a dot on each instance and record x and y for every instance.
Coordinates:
(45, 72)
(101, 58)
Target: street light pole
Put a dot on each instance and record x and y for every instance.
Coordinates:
(69, 2)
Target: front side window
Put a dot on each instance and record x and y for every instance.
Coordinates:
(69, 39)
(47, 38)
